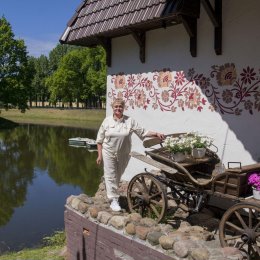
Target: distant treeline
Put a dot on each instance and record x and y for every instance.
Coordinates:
(78, 105)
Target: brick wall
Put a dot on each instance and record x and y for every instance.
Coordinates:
(88, 240)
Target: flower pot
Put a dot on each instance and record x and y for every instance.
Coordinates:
(178, 157)
(256, 194)
(198, 153)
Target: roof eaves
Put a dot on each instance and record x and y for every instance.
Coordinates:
(70, 23)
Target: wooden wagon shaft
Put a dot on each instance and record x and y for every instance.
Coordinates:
(147, 143)
(154, 163)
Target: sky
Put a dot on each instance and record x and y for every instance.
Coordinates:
(40, 23)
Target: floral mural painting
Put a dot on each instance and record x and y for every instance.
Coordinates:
(225, 90)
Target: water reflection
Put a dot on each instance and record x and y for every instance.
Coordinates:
(38, 170)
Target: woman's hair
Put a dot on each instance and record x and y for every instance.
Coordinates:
(118, 101)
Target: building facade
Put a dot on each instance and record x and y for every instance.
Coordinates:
(173, 91)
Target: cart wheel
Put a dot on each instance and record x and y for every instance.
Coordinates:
(147, 196)
(240, 228)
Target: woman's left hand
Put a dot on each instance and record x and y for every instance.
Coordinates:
(161, 136)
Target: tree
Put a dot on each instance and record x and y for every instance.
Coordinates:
(66, 82)
(96, 74)
(57, 54)
(15, 76)
(80, 77)
(31, 72)
(42, 71)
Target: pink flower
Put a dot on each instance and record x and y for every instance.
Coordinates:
(254, 180)
(148, 85)
(131, 81)
(120, 81)
(140, 98)
(164, 79)
(192, 98)
(179, 78)
(165, 96)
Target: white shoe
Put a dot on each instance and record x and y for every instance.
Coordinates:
(115, 205)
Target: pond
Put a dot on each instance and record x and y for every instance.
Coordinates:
(38, 171)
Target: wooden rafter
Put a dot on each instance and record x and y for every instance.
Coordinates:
(215, 16)
(218, 29)
(190, 25)
(140, 37)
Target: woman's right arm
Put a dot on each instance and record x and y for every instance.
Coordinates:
(99, 140)
(99, 158)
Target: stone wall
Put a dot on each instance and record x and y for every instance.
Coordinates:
(88, 239)
(94, 232)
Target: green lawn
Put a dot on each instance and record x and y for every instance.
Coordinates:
(87, 118)
(45, 253)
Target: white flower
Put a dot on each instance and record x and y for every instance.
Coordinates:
(186, 142)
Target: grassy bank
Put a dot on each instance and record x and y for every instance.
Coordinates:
(86, 118)
(53, 249)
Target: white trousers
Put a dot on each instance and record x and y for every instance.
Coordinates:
(114, 167)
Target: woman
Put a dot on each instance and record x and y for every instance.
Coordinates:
(114, 146)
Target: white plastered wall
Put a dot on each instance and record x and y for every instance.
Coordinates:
(236, 134)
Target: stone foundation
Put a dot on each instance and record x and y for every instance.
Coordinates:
(91, 240)
(94, 232)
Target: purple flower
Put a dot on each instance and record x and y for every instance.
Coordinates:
(254, 180)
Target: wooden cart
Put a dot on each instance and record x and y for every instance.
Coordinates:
(190, 185)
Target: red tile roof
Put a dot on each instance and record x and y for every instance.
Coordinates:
(96, 19)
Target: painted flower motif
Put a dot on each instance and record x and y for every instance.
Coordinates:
(180, 103)
(227, 96)
(257, 101)
(248, 105)
(165, 96)
(257, 96)
(148, 85)
(204, 82)
(212, 107)
(140, 98)
(238, 111)
(226, 75)
(179, 78)
(164, 79)
(248, 75)
(173, 109)
(155, 106)
(131, 81)
(191, 72)
(119, 94)
(131, 103)
(244, 95)
(120, 81)
(192, 98)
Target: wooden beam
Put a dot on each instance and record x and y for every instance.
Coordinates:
(106, 44)
(216, 18)
(190, 25)
(211, 13)
(218, 29)
(140, 38)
